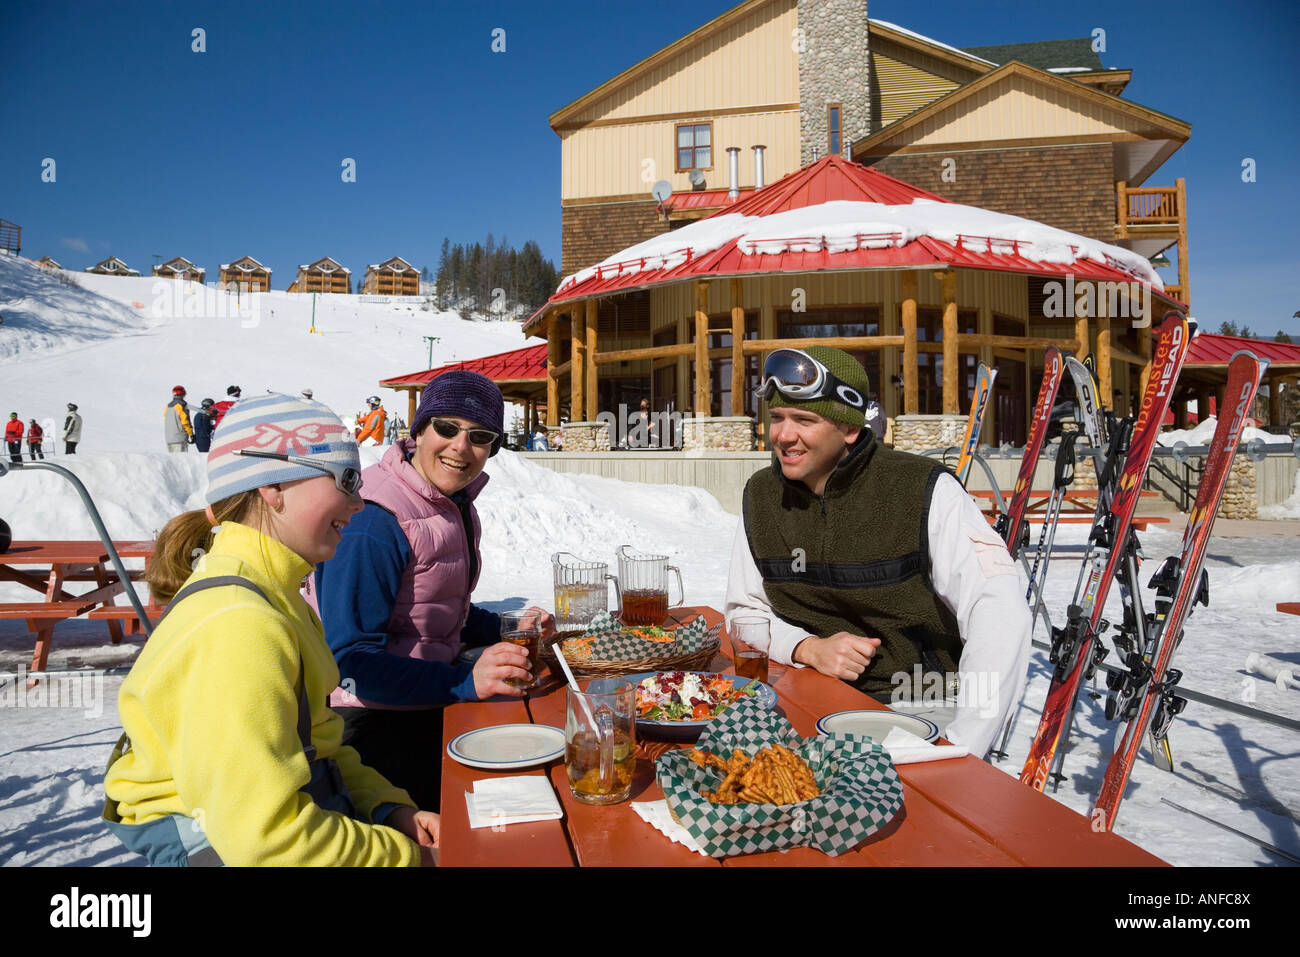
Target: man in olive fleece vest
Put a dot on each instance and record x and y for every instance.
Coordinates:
(872, 565)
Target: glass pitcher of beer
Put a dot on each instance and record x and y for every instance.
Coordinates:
(644, 580)
(581, 590)
(600, 741)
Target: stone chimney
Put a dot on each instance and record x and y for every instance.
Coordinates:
(834, 67)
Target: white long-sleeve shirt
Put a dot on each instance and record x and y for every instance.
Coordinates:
(975, 576)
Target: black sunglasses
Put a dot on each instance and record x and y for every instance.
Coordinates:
(346, 478)
(449, 430)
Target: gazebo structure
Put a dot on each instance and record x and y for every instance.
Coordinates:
(520, 374)
(920, 288)
(245, 273)
(324, 275)
(392, 277)
(180, 268)
(112, 266)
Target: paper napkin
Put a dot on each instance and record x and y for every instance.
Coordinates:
(657, 815)
(512, 800)
(904, 747)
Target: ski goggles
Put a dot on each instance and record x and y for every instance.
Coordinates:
(346, 477)
(449, 430)
(801, 378)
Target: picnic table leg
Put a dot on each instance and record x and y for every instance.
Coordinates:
(44, 629)
(114, 626)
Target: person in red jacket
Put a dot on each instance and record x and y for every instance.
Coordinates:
(221, 408)
(370, 425)
(35, 436)
(14, 436)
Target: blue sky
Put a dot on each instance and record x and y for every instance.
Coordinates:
(238, 150)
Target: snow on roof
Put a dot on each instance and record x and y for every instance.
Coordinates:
(843, 226)
(1070, 69)
(922, 37)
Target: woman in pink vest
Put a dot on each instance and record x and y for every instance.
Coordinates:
(395, 599)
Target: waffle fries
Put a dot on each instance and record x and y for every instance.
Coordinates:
(776, 775)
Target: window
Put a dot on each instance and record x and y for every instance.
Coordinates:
(694, 146)
(834, 122)
(929, 365)
(720, 402)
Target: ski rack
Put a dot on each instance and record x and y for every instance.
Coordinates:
(993, 479)
(122, 575)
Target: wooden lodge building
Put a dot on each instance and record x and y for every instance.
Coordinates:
(247, 274)
(112, 266)
(1038, 131)
(324, 275)
(392, 277)
(46, 262)
(180, 268)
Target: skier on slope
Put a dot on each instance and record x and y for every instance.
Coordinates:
(71, 430)
(370, 425)
(14, 437)
(35, 436)
(203, 426)
(221, 408)
(178, 433)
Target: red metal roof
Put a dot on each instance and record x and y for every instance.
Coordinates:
(527, 363)
(828, 180)
(705, 199)
(1212, 349)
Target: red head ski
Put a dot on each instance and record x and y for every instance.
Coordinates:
(1178, 586)
(1072, 661)
(1010, 524)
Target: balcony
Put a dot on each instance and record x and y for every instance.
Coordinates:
(1150, 219)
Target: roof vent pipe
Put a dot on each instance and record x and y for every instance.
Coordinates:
(816, 154)
(759, 182)
(733, 172)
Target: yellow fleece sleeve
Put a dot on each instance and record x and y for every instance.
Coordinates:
(223, 702)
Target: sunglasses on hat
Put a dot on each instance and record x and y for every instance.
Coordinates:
(346, 477)
(801, 378)
(449, 430)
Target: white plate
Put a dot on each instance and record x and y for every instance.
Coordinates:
(877, 724)
(508, 746)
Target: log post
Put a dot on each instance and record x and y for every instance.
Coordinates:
(593, 391)
(1144, 350)
(737, 341)
(702, 384)
(910, 402)
(1105, 382)
(552, 379)
(578, 364)
(951, 357)
(1274, 401)
(412, 403)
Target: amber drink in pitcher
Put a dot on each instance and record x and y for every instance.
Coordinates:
(644, 580)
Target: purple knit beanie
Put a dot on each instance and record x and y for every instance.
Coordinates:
(464, 395)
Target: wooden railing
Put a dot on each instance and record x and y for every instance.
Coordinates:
(1147, 205)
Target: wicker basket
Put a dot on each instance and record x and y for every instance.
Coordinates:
(594, 668)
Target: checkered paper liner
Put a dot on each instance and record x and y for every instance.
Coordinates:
(612, 643)
(861, 791)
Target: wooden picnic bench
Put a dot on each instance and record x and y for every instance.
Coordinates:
(1077, 507)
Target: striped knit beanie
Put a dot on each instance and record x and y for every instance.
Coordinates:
(845, 368)
(274, 423)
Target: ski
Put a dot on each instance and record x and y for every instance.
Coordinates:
(975, 421)
(1073, 647)
(1011, 525)
(1085, 396)
(1180, 583)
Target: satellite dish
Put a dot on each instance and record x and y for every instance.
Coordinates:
(662, 190)
(1180, 452)
(696, 177)
(1255, 450)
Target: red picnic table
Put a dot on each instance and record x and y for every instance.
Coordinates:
(956, 812)
(57, 564)
(1289, 607)
(1078, 506)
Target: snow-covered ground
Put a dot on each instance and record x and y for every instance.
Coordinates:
(119, 366)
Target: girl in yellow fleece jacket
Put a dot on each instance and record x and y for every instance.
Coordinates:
(234, 755)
